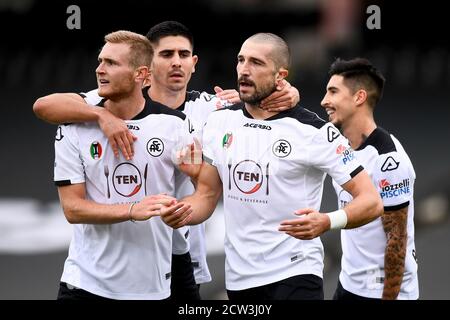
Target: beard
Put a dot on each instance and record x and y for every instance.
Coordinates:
(260, 93)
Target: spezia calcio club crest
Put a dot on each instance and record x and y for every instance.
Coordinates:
(281, 148)
(155, 147)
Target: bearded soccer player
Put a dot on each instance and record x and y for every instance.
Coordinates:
(267, 166)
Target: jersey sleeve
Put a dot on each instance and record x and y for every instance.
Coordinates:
(68, 167)
(183, 135)
(331, 153)
(210, 141)
(394, 181)
(91, 97)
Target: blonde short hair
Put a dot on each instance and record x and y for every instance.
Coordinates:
(141, 51)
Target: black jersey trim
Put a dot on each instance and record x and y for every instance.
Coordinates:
(190, 96)
(381, 140)
(61, 183)
(153, 107)
(100, 104)
(298, 113)
(397, 207)
(356, 171)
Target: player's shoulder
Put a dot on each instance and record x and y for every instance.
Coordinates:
(194, 95)
(302, 116)
(391, 155)
(155, 108)
(92, 97)
(381, 140)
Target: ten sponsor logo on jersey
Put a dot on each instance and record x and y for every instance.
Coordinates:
(389, 190)
(127, 180)
(346, 153)
(248, 176)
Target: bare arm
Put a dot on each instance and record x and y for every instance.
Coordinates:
(79, 210)
(365, 207)
(395, 226)
(203, 201)
(61, 108)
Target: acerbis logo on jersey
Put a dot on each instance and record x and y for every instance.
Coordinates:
(133, 127)
(281, 148)
(127, 180)
(389, 190)
(346, 153)
(332, 134)
(389, 164)
(155, 147)
(96, 150)
(257, 126)
(248, 176)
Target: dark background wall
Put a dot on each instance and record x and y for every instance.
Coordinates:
(40, 55)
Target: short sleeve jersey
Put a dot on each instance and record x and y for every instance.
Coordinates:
(270, 168)
(124, 260)
(363, 248)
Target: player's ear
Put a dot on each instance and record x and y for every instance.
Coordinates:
(142, 73)
(194, 60)
(360, 97)
(281, 75)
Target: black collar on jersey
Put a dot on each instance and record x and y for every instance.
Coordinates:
(298, 113)
(190, 96)
(381, 140)
(151, 107)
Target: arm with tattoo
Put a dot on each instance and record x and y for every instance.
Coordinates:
(395, 226)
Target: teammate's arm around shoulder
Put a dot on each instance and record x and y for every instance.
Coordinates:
(202, 202)
(59, 108)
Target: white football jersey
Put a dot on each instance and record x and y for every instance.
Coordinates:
(270, 168)
(197, 107)
(124, 260)
(180, 241)
(364, 248)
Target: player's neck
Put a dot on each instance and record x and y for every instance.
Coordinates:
(357, 130)
(128, 107)
(258, 113)
(170, 98)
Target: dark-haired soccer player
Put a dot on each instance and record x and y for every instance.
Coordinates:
(379, 258)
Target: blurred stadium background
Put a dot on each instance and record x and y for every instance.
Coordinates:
(39, 55)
